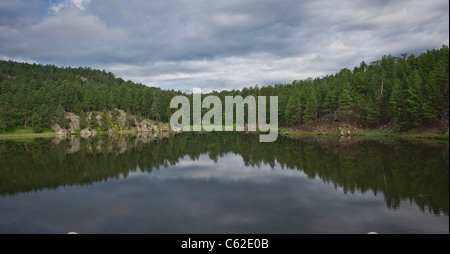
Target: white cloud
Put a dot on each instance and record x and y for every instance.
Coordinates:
(79, 4)
(222, 73)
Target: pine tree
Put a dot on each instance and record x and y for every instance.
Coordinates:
(93, 122)
(154, 109)
(415, 99)
(60, 117)
(130, 121)
(310, 112)
(104, 121)
(36, 123)
(398, 105)
(168, 113)
(373, 115)
(40, 119)
(8, 117)
(292, 111)
(83, 122)
(114, 114)
(345, 104)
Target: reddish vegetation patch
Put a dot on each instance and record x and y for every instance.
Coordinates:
(326, 125)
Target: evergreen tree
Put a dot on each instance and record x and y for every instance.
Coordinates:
(434, 94)
(168, 113)
(415, 99)
(60, 117)
(114, 114)
(292, 111)
(36, 123)
(104, 121)
(83, 122)
(310, 112)
(130, 121)
(154, 109)
(398, 105)
(93, 122)
(345, 104)
(8, 118)
(40, 119)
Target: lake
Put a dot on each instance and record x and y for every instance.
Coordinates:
(223, 183)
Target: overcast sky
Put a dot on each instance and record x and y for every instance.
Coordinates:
(228, 44)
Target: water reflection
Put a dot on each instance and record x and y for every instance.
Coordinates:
(231, 180)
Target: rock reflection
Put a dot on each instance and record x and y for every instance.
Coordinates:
(399, 170)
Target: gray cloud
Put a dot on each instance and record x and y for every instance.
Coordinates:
(219, 45)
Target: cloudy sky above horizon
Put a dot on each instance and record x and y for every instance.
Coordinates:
(217, 45)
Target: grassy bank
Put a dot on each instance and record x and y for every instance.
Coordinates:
(296, 134)
(27, 132)
(435, 136)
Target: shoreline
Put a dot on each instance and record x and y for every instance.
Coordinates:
(38, 135)
(427, 136)
(422, 136)
(32, 135)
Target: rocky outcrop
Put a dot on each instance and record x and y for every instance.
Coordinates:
(74, 122)
(119, 122)
(58, 129)
(346, 130)
(88, 132)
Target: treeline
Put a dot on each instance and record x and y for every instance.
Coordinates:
(33, 95)
(409, 90)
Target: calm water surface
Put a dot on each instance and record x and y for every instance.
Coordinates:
(223, 183)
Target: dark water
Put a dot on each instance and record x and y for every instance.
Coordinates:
(223, 183)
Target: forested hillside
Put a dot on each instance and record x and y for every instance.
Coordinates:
(32, 94)
(409, 91)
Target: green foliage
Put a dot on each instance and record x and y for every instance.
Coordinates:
(345, 104)
(24, 87)
(114, 114)
(311, 106)
(367, 110)
(130, 121)
(83, 122)
(105, 122)
(409, 90)
(293, 111)
(93, 121)
(40, 119)
(398, 104)
(8, 118)
(66, 123)
(154, 109)
(36, 123)
(415, 99)
(60, 118)
(168, 113)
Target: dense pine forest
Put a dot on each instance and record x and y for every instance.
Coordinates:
(408, 91)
